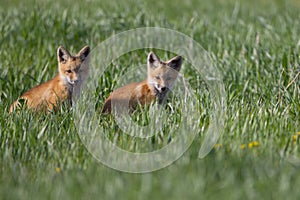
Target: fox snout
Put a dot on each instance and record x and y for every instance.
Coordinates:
(73, 80)
(161, 88)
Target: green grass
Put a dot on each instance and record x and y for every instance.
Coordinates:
(255, 45)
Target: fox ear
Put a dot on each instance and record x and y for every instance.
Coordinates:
(175, 63)
(62, 54)
(153, 60)
(84, 52)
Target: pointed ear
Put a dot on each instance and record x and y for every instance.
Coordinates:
(62, 54)
(84, 52)
(175, 63)
(153, 60)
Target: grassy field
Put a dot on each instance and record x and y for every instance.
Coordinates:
(254, 44)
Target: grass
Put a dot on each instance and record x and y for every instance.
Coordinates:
(255, 45)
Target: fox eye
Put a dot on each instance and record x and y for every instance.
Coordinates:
(157, 77)
(68, 71)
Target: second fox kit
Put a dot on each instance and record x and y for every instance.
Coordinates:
(161, 77)
(73, 70)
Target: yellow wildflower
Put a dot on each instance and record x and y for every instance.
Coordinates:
(253, 144)
(295, 137)
(58, 170)
(217, 146)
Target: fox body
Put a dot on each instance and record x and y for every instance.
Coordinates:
(160, 79)
(73, 70)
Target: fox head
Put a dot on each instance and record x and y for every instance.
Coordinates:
(73, 69)
(162, 75)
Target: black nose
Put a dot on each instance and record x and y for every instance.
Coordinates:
(163, 89)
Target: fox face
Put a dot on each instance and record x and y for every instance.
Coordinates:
(162, 75)
(73, 69)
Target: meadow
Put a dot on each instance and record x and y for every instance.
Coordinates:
(254, 44)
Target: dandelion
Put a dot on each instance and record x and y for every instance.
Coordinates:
(253, 144)
(250, 145)
(217, 146)
(295, 136)
(57, 169)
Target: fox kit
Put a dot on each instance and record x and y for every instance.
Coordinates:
(73, 70)
(161, 77)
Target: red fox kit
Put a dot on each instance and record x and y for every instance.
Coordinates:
(73, 70)
(161, 77)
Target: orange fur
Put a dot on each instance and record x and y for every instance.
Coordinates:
(161, 77)
(73, 70)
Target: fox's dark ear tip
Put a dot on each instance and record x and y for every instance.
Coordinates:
(85, 51)
(88, 48)
(150, 55)
(179, 58)
(60, 50)
(60, 47)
